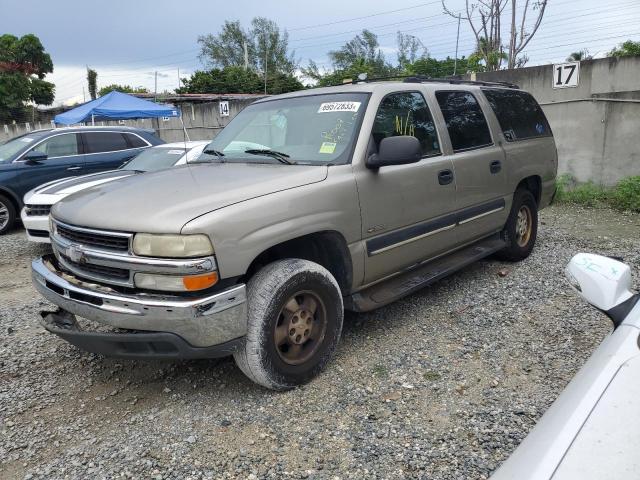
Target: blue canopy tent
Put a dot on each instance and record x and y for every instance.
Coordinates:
(116, 106)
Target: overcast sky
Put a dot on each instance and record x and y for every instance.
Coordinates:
(127, 41)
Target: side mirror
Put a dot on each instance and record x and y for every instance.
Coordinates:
(603, 282)
(398, 150)
(34, 157)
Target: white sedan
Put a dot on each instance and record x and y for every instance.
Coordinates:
(592, 431)
(38, 202)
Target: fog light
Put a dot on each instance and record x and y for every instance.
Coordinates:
(172, 283)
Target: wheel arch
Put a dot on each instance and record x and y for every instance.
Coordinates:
(327, 248)
(12, 198)
(532, 183)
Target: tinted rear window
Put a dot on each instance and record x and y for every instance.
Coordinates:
(465, 121)
(518, 113)
(97, 142)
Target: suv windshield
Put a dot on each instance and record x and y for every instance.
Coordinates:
(155, 158)
(10, 148)
(313, 129)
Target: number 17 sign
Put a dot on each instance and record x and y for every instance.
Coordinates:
(566, 75)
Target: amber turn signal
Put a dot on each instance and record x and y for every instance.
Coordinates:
(200, 282)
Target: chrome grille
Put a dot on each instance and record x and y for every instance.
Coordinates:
(94, 239)
(101, 271)
(37, 210)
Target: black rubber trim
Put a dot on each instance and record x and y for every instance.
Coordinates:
(423, 228)
(131, 344)
(618, 313)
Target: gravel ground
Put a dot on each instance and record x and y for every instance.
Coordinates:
(441, 385)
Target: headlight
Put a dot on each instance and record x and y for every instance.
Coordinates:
(172, 246)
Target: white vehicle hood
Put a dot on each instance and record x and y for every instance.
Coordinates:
(51, 192)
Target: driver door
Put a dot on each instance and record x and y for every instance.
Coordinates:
(64, 159)
(404, 207)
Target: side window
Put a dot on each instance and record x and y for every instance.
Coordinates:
(406, 114)
(518, 113)
(96, 142)
(59, 146)
(464, 118)
(135, 141)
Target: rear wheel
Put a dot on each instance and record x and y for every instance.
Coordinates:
(295, 315)
(521, 228)
(7, 214)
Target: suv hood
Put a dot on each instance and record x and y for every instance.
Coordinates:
(164, 201)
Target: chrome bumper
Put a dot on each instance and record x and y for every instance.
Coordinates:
(202, 322)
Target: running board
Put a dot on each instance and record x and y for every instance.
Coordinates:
(422, 275)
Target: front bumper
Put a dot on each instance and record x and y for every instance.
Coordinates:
(201, 322)
(37, 227)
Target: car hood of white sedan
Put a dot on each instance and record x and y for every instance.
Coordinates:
(67, 186)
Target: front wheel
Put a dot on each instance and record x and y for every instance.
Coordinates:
(295, 314)
(521, 228)
(7, 214)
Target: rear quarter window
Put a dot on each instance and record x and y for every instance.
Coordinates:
(519, 115)
(135, 141)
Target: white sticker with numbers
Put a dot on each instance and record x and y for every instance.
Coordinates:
(339, 107)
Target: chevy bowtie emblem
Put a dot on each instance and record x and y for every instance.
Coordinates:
(75, 254)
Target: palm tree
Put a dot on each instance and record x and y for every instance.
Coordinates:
(579, 56)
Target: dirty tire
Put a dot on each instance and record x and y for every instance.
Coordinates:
(520, 246)
(268, 292)
(7, 215)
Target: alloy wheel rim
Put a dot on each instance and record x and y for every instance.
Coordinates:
(524, 226)
(4, 216)
(301, 327)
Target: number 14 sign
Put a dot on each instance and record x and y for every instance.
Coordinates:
(566, 75)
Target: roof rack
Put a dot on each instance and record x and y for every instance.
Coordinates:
(422, 79)
(425, 79)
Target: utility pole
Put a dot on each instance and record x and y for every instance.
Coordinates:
(246, 55)
(178, 78)
(84, 98)
(455, 62)
(266, 51)
(155, 89)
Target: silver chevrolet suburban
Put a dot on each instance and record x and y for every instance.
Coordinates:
(306, 204)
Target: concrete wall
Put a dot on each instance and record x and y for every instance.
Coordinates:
(596, 123)
(202, 121)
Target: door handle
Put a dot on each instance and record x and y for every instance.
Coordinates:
(496, 166)
(445, 177)
(74, 168)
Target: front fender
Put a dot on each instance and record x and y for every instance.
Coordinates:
(242, 231)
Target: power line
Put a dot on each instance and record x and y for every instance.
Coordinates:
(308, 27)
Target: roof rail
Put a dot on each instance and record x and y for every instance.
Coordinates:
(423, 79)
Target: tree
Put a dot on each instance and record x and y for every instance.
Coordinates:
(579, 56)
(626, 49)
(485, 19)
(433, 68)
(363, 48)
(121, 88)
(234, 79)
(23, 67)
(410, 48)
(92, 80)
(262, 47)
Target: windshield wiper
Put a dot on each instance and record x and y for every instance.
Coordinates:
(210, 151)
(281, 157)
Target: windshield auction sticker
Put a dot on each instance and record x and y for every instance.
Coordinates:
(339, 107)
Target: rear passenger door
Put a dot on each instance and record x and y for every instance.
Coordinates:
(107, 150)
(478, 162)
